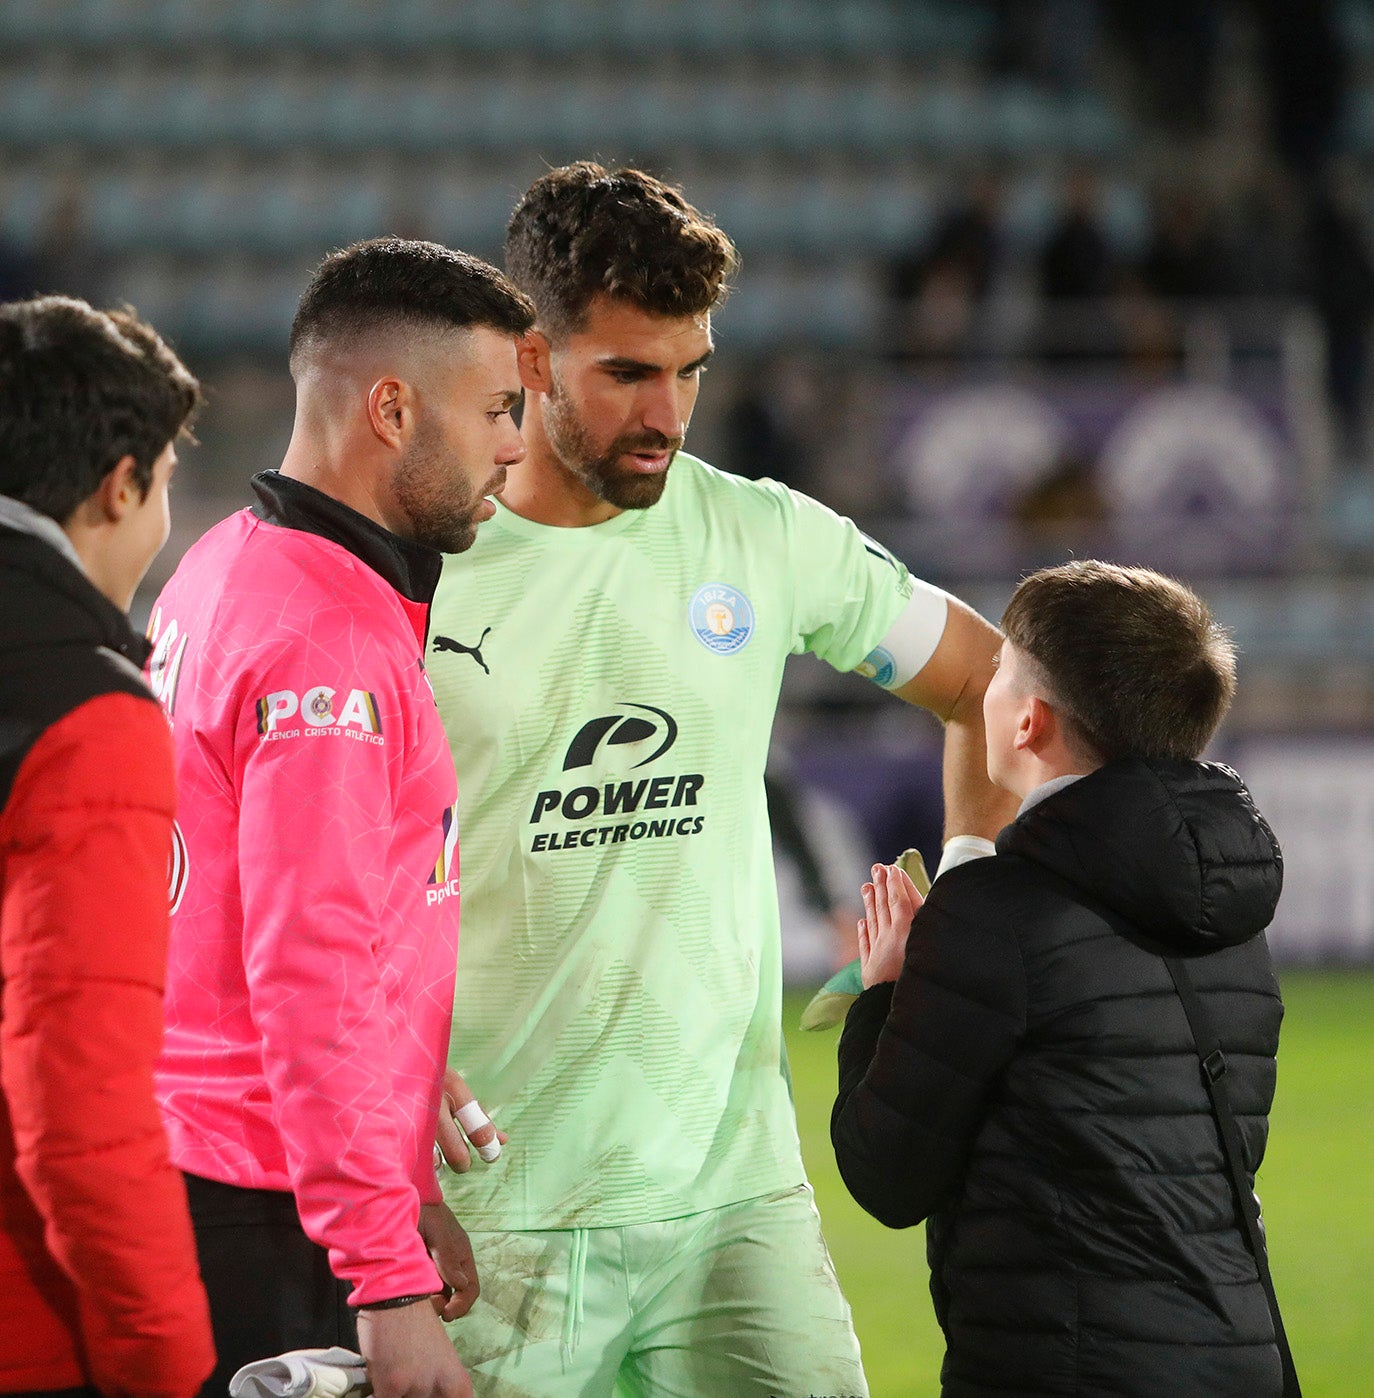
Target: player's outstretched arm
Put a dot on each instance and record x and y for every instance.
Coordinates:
(951, 685)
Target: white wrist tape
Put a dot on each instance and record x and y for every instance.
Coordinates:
(471, 1117)
(959, 849)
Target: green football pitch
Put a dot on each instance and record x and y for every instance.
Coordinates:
(1317, 1186)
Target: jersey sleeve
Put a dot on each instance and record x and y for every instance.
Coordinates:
(85, 839)
(849, 591)
(316, 811)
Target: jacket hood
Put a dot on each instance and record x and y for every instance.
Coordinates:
(1177, 848)
(46, 602)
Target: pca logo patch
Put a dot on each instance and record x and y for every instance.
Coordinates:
(316, 709)
(721, 618)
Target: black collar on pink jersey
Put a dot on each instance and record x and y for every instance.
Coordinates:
(411, 568)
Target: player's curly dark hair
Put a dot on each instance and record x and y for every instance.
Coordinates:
(80, 389)
(582, 232)
(1133, 659)
(385, 282)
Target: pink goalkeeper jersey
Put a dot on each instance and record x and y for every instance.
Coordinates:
(315, 889)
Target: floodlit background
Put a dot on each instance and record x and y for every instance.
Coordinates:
(1023, 280)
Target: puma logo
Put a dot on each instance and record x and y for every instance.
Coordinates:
(448, 643)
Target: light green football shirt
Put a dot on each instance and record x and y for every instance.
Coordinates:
(608, 693)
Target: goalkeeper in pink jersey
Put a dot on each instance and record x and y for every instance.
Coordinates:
(315, 885)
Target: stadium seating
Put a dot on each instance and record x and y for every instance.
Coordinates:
(200, 134)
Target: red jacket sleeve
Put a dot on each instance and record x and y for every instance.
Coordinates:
(86, 836)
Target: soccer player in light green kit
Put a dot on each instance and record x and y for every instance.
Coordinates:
(607, 659)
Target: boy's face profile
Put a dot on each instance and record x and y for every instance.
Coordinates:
(1005, 705)
(149, 521)
(1015, 720)
(1029, 741)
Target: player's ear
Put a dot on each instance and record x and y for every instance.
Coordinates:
(390, 411)
(117, 493)
(532, 355)
(1038, 725)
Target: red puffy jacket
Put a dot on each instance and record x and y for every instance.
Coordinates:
(98, 1267)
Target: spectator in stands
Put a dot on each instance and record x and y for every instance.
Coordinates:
(98, 1280)
(16, 272)
(1185, 261)
(1305, 77)
(16, 264)
(1175, 46)
(1059, 509)
(1077, 261)
(1078, 271)
(770, 426)
(941, 287)
(1343, 273)
(1186, 258)
(66, 259)
(1052, 42)
(1267, 240)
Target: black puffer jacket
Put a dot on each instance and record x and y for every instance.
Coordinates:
(1030, 1085)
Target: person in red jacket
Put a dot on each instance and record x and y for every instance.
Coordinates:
(99, 1288)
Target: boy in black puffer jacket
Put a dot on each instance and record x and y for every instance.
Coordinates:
(1020, 1070)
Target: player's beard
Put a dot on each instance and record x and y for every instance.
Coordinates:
(601, 471)
(432, 491)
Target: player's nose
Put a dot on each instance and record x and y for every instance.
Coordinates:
(665, 412)
(510, 450)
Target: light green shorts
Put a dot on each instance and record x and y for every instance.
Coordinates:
(740, 1301)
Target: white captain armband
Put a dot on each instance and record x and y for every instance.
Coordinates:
(911, 640)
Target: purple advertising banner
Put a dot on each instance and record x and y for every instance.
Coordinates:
(1316, 791)
(1005, 473)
